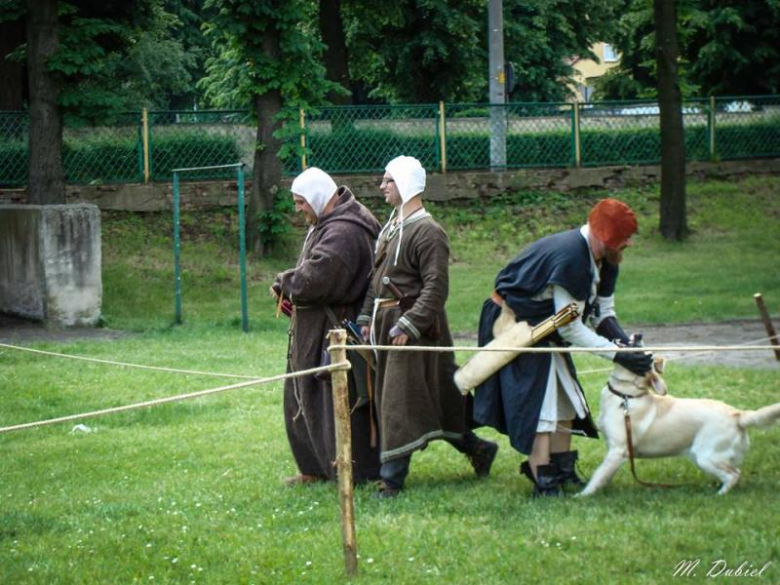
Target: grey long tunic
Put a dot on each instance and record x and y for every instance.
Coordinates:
(416, 398)
(332, 270)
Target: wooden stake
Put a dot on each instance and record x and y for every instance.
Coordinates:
(344, 450)
(770, 330)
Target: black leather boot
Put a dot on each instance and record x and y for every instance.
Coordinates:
(546, 481)
(547, 484)
(564, 464)
(482, 456)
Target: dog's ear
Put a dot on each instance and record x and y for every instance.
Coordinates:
(658, 364)
(658, 384)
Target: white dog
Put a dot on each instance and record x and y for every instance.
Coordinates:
(711, 433)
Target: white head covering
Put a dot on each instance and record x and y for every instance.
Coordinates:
(316, 187)
(409, 176)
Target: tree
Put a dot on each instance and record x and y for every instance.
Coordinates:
(418, 51)
(430, 50)
(542, 36)
(673, 223)
(46, 178)
(267, 56)
(726, 48)
(335, 54)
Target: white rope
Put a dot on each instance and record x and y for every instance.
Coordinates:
(177, 398)
(125, 364)
(659, 349)
(674, 359)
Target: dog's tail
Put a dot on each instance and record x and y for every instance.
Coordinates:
(763, 417)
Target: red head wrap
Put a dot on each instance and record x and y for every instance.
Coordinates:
(612, 222)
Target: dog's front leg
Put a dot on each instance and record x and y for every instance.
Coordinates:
(601, 477)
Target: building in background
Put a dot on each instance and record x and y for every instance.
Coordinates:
(586, 71)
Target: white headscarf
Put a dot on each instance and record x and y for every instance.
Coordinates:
(408, 174)
(316, 187)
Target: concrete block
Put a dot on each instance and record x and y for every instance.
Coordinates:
(50, 263)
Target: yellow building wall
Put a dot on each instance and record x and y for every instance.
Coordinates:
(586, 71)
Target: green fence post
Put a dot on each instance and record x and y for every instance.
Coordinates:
(176, 251)
(711, 128)
(242, 248)
(145, 138)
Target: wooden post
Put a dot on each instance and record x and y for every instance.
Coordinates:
(770, 330)
(344, 449)
(302, 120)
(577, 137)
(443, 137)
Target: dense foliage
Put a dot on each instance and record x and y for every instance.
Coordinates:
(726, 48)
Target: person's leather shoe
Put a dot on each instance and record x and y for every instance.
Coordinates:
(547, 484)
(565, 467)
(547, 481)
(302, 479)
(482, 457)
(385, 491)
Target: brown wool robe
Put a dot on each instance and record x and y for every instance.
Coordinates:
(332, 270)
(416, 397)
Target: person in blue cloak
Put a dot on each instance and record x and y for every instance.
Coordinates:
(537, 399)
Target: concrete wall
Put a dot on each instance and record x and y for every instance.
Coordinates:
(50, 262)
(441, 187)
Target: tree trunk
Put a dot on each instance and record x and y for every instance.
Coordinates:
(673, 224)
(267, 172)
(11, 72)
(46, 179)
(335, 57)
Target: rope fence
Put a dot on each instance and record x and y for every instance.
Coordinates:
(125, 364)
(253, 381)
(338, 350)
(653, 349)
(179, 397)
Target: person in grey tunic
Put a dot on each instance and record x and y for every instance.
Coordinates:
(416, 397)
(326, 285)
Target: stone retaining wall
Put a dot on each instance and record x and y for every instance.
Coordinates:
(441, 187)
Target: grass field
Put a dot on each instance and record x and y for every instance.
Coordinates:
(192, 492)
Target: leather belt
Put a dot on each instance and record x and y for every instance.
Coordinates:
(386, 303)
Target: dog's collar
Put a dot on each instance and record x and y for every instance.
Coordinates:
(624, 397)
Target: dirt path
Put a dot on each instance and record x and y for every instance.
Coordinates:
(734, 332)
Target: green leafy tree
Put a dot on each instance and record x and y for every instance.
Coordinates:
(430, 50)
(726, 48)
(541, 36)
(266, 57)
(418, 51)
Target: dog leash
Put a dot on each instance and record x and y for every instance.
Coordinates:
(630, 441)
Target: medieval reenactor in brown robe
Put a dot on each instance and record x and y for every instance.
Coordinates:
(416, 398)
(327, 285)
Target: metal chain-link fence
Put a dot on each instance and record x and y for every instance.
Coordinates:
(13, 148)
(362, 139)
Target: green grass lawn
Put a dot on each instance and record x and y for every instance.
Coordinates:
(192, 492)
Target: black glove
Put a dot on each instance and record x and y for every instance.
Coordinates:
(637, 362)
(610, 329)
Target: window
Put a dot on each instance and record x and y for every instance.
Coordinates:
(610, 55)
